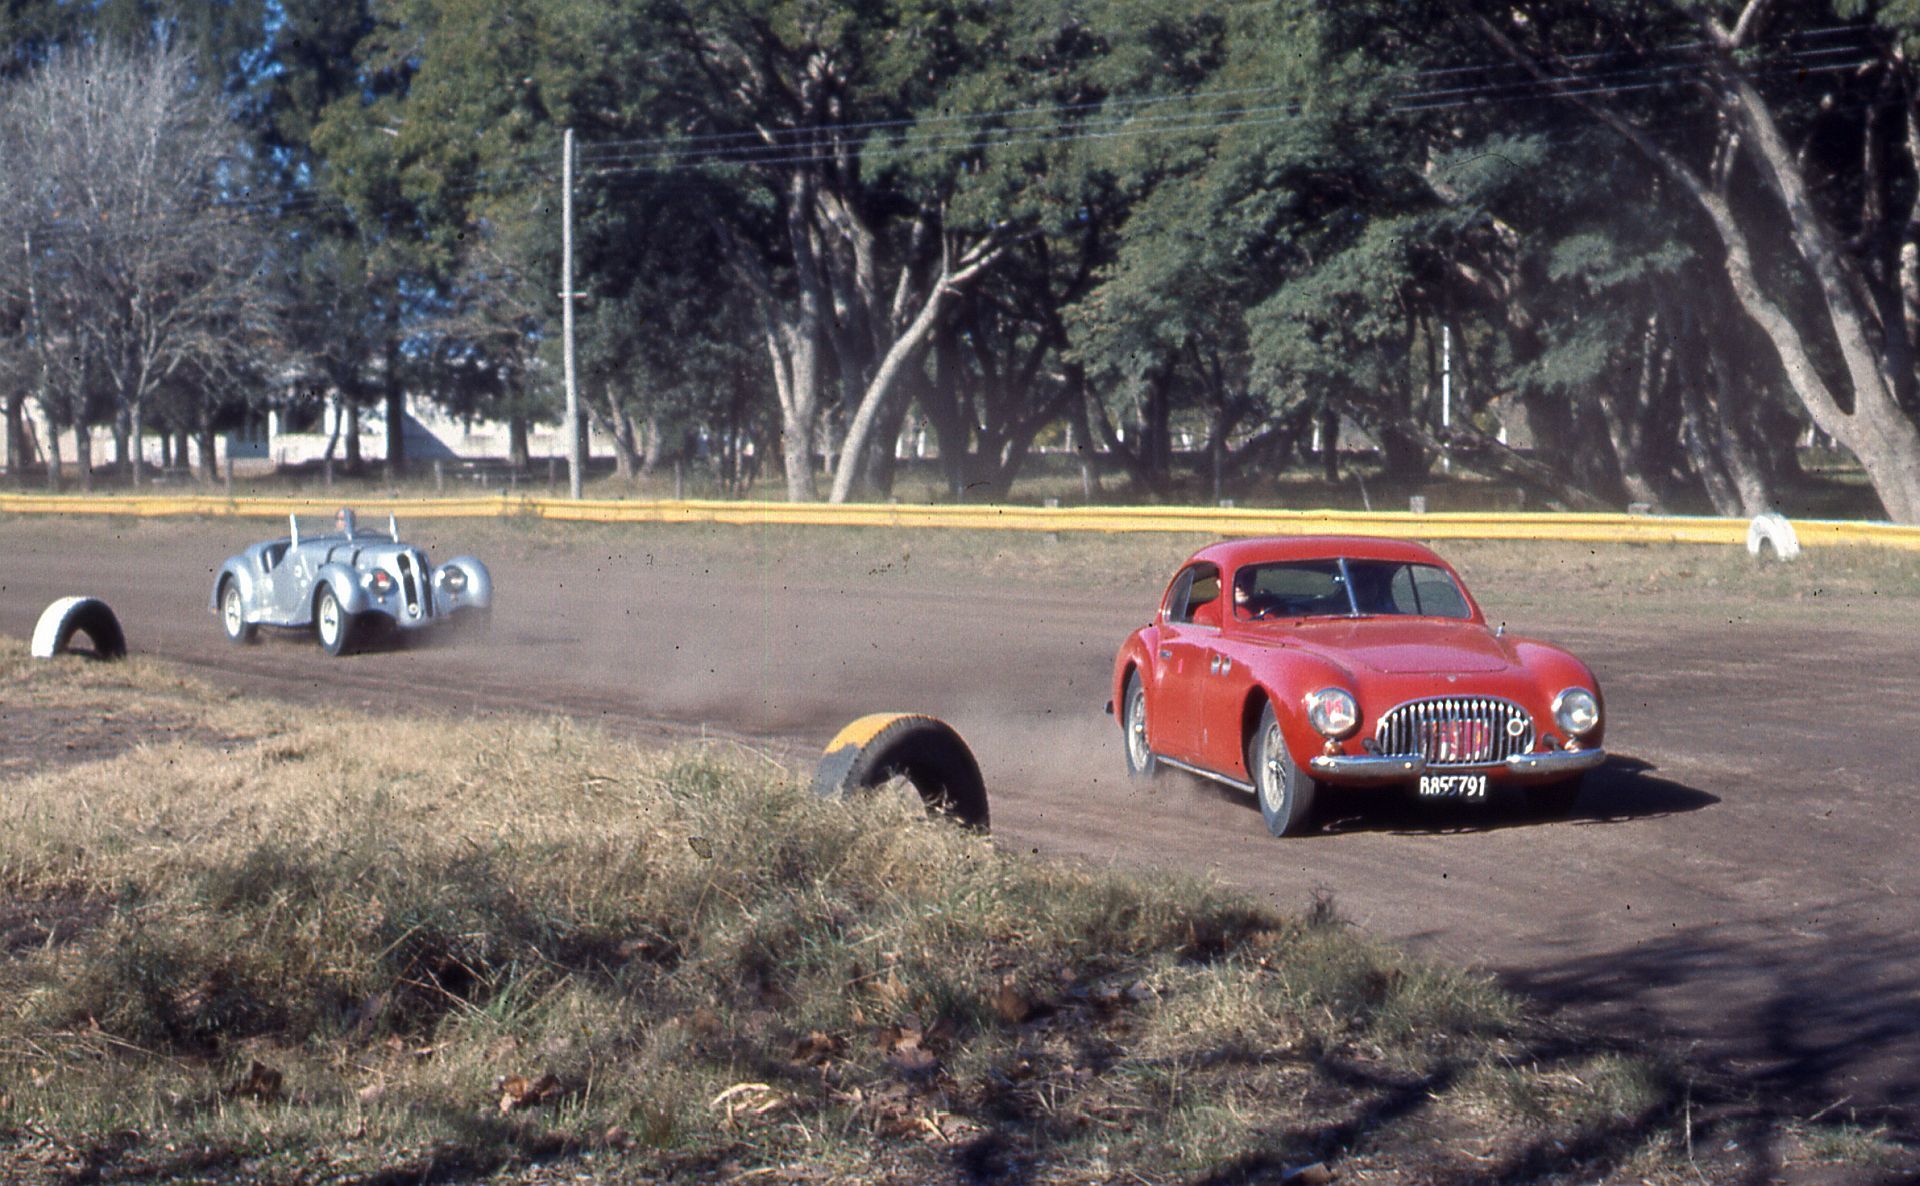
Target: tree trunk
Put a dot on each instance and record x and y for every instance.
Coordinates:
(1752, 493)
(1082, 431)
(351, 428)
(122, 464)
(1401, 453)
(796, 370)
(83, 456)
(396, 400)
(16, 433)
(137, 430)
(1697, 434)
(1219, 424)
(941, 403)
(519, 455)
(883, 456)
(53, 449)
(1623, 419)
(209, 452)
(904, 351)
(1629, 417)
(617, 423)
(654, 447)
(1330, 445)
(1156, 435)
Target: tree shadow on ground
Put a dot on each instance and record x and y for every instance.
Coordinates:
(1818, 1021)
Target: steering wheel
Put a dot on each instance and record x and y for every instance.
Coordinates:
(1262, 606)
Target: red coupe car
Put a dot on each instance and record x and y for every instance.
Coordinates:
(1282, 665)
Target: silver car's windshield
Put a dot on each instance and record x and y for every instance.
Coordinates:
(1346, 588)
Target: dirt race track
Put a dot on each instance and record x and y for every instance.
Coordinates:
(1740, 879)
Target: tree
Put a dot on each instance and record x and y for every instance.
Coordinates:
(134, 269)
(851, 263)
(1803, 175)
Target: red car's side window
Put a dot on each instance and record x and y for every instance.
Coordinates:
(1195, 596)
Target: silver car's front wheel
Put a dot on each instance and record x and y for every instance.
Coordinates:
(333, 624)
(233, 614)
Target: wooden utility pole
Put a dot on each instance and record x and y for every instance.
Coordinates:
(575, 462)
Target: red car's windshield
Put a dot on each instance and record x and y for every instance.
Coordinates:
(1346, 588)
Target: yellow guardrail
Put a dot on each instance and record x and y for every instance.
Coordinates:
(1218, 521)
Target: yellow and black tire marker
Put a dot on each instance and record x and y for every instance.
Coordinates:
(923, 750)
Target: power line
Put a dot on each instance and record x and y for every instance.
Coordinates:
(951, 134)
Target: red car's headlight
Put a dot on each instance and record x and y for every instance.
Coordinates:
(1333, 712)
(1576, 710)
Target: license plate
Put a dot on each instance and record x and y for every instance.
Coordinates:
(1453, 786)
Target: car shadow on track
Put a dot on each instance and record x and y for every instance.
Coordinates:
(1624, 789)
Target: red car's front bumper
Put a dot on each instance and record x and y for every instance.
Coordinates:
(1362, 769)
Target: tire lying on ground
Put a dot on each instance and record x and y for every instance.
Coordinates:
(1771, 534)
(921, 749)
(53, 634)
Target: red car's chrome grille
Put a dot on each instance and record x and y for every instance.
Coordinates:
(1456, 730)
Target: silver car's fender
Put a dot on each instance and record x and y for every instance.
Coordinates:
(347, 590)
(477, 595)
(237, 570)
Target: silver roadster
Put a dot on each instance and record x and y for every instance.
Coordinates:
(350, 585)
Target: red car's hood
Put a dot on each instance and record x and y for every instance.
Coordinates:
(1405, 645)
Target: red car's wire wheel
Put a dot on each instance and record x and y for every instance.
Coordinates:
(1285, 791)
(1133, 720)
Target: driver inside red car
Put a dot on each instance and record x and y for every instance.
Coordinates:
(1250, 605)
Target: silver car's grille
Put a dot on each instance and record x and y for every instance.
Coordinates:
(1456, 730)
(411, 587)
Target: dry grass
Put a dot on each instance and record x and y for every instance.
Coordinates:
(329, 945)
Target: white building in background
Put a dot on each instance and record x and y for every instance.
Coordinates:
(245, 447)
(429, 434)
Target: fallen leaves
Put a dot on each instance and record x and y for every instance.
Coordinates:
(748, 1099)
(261, 1084)
(517, 1092)
(896, 1109)
(912, 1051)
(817, 1049)
(1013, 1006)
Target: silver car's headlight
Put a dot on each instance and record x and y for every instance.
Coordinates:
(1577, 711)
(1333, 712)
(379, 581)
(455, 579)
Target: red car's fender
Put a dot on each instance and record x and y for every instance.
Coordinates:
(1554, 669)
(1136, 654)
(1284, 677)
